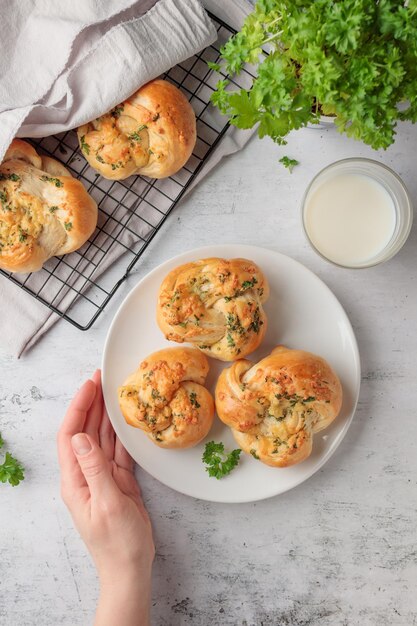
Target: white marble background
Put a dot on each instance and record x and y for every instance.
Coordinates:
(339, 550)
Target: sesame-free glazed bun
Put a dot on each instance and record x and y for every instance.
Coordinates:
(167, 399)
(215, 304)
(44, 211)
(152, 133)
(274, 407)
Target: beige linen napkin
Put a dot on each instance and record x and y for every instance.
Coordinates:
(24, 320)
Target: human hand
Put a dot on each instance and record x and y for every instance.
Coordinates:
(100, 490)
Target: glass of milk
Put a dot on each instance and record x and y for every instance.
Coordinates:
(357, 213)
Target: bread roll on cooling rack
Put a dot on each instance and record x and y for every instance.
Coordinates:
(215, 304)
(44, 211)
(274, 407)
(166, 398)
(152, 133)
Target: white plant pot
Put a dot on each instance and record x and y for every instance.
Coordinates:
(326, 121)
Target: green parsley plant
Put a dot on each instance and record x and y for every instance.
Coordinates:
(352, 59)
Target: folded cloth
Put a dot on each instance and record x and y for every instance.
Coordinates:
(165, 33)
(65, 63)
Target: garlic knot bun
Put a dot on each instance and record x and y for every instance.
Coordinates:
(152, 133)
(216, 305)
(166, 398)
(274, 407)
(44, 211)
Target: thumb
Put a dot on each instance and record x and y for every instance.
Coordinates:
(94, 466)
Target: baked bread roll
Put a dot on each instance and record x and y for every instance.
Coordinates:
(152, 133)
(274, 407)
(166, 398)
(44, 211)
(215, 304)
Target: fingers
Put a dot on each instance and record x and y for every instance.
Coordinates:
(122, 456)
(73, 422)
(107, 436)
(126, 482)
(95, 413)
(128, 485)
(76, 414)
(95, 468)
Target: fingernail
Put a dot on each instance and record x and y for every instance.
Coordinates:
(81, 444)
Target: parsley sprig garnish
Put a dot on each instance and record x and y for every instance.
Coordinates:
(218, 462)
(10, 470)
(289, 163)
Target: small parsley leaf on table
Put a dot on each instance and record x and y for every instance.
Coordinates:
(289, 163)
(218, 462)
(10, 470)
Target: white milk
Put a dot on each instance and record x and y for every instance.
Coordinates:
(349, 218)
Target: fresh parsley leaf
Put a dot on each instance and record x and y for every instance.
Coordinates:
(218, 462)
(50, 179)
(256, 323)
(214, 66)
(13, 177)
(247, 284)
(10, 470)
(194, 401)
(136, 136)
(289, 163)
(84, 145)
(117, 111)
(230, 341)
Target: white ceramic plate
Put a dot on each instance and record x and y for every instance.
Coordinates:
(302, 313)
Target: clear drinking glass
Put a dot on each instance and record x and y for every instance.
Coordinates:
(390, 181)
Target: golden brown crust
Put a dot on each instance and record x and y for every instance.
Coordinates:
(216, 305)
(152, 133)
(44, 211)
(165, 397)
(274, 407)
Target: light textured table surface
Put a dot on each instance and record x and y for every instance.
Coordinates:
(338, 550)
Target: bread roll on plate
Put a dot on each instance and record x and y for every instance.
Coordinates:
(274, 407)
(44, 211)
(166, 398)
(152, 133)
(215, 304)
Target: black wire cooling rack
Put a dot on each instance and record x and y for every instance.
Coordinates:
(79, 285)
